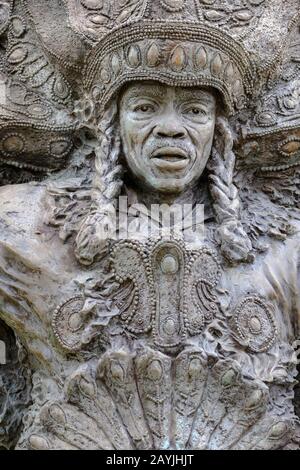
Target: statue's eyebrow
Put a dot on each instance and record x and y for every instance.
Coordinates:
(138, 92)
(156, 92)
(196, 95)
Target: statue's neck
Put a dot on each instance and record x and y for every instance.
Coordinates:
(188, 217)
(197, 194)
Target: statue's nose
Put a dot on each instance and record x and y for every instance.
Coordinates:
(170, 126)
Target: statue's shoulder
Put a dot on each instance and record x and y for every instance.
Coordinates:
(22, 209)
(25, 232)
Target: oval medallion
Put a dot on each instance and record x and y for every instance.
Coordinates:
(66, 323)
(255, 324)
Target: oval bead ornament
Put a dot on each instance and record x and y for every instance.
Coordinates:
(60, 88)
(17, 26)
(13, 144)
(215, 15)
(124, 16)
(290, 103)
(244, 15)
(290, 147)
(134, 56)
(97, 19)
(216, 65)
(266, 118)
(39, 110)
(60, 148)
(178, 59)
(169, 265)
(201, 58)
(75, 322)
(115, 64)
(17, 55)
(255, 325)
(153, 55)
(105, 75)
(229, 72)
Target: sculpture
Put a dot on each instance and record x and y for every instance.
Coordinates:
(160, 342)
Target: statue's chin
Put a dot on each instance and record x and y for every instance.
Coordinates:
(166, 186)
(169, 189)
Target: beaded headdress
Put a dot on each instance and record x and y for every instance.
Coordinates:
(178, 55)
(249, 50)
(216, 43)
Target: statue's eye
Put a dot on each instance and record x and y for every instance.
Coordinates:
(196, 111)
(144, 108)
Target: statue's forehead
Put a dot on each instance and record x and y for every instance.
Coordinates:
(162, 91)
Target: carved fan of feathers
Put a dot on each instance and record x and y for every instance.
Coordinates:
(146, 400)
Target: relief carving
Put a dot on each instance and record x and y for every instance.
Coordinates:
(128, 326)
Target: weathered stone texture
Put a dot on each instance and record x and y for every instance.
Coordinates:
(179, 339)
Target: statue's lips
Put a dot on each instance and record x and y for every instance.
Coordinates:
(170, 158)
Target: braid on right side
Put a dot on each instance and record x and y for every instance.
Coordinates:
(235, 243)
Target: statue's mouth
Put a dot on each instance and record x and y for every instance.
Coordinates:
(172, 158)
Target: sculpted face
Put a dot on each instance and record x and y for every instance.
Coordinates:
(167, 134)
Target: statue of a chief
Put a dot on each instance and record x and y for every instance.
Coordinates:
(161, 343)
